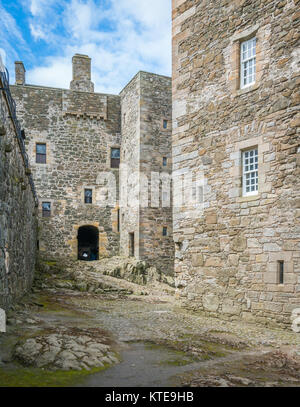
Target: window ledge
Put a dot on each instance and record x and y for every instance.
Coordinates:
(249, 198)
(248, 89)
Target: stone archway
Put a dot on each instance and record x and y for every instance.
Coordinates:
(88, 243)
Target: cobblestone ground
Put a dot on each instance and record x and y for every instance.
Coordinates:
(91, 327)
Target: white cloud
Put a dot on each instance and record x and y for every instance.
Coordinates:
(56, 73)
(121, 36)
(3, 56)
(11, 40)
(37, 32)
(40, 7)
(9, 26)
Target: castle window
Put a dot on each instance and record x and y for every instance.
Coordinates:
(118, 220)
(248, 62)
(280, 272)
(165, 161)
(115, 158)
(165, 124)
(88, 196)
(40, 153)
(46, 209)
(131, 244)
(165, 231)
(250, 172)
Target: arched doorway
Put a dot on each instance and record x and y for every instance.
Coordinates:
(88, 243)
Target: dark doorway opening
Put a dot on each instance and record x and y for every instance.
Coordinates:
(131, 244)
(88, 243)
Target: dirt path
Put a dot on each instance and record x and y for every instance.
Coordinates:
(143, 336)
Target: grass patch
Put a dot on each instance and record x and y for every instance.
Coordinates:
(34, 377)
(50, 304)
(179, 358)
(50, 263)
(177, 361)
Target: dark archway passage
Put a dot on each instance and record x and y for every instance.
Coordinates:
(88, 243)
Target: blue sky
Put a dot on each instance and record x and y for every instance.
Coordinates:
(121, 36)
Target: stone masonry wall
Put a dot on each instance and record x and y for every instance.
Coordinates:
(156, 143)
(79, 129)
(129, 171)
(227, 255)
(146, 102)
(18, 215)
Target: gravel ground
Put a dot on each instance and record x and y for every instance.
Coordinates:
(117, 313)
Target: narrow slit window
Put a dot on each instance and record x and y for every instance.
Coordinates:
(118, 220)
(280, 272)
(88, 196)
(41, 154)
(165, 161)
(131, 244)
(115, 158)
(250, 172)
(248, 62)
(165, 124)
(165, 231)
(46, 209)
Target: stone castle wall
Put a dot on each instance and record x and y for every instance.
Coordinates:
(227, 253)
(146, 102)
(79, 129)
(129, 172)
(18, 214)
(156, 143)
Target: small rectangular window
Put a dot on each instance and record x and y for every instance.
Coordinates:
(131, 244)
(46, 209)
(40, 153)
(165, 124)
(248, 62)
(118, 220)
(165, 161)
(88, 196)
(280, 272)
(197, 193)
(115, 158)
(250, 172)
(165, 231)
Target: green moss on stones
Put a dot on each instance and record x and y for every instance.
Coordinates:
(33, 377)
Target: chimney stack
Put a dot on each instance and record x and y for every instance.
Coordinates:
(20, 73)
(81, 65)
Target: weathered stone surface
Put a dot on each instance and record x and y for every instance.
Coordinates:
(79, 128)
(211, 302)
(214, 120)
(146, 104)
(197, 259)
(18, 215)
(2, 320)
(66, 351)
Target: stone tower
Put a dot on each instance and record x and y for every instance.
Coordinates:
(74, 140)
(146, 219)
(69, 138)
